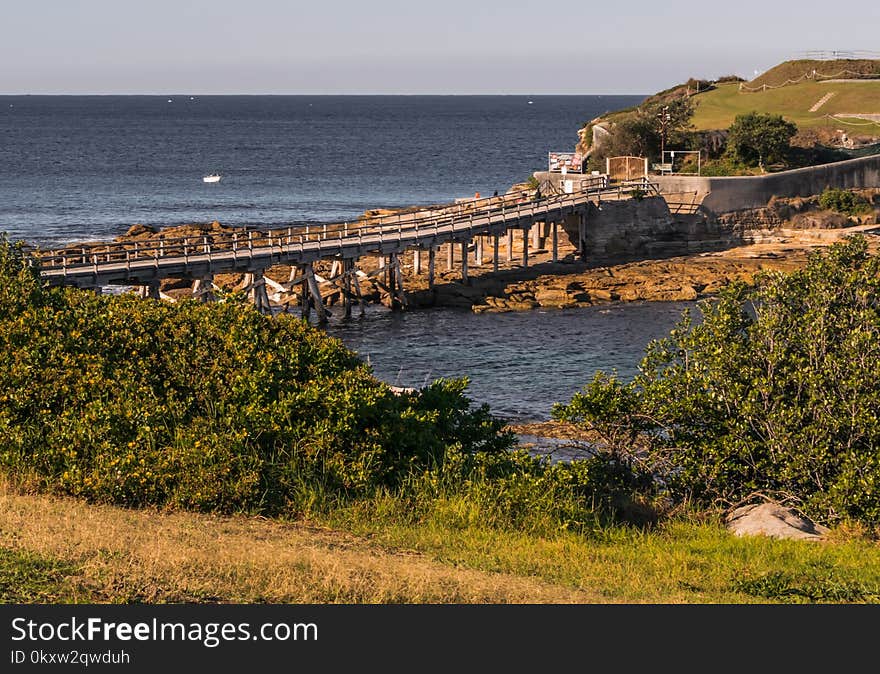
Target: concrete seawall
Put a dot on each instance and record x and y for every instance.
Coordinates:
(721, 212)
(726, 194)
(632, 229)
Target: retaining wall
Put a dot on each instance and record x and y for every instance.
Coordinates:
(633, 229)
(726, 194)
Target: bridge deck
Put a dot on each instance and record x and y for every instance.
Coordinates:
(138, 263)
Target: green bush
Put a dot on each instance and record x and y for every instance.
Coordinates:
(724, 167)
(844, 201)
(776, 390)
(211, 407)
(215, 407)
(755, 138)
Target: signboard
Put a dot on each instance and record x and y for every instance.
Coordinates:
(565, 162)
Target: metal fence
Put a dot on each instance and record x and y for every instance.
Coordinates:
(833, 55)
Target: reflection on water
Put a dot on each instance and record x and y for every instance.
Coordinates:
(520, 363)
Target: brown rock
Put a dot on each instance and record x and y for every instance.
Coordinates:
(551, 296)
(630, 293)
(523, 305)
(600, 295)
(820, 220)
(138, 232)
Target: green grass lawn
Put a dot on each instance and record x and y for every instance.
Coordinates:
(717, 109)
(684, 561)
(27, 578)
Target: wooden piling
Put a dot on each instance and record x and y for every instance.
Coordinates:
(555, 240)
(203, 289)
(305, 300)
(348, 271)
(525, 250)
(582, 236)
(255, 283)
(464, 262)
(315, 294)
(431, 256)
(355, 277)
(495, 252)
(398, 287)
(151, 290)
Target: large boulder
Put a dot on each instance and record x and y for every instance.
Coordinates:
(137, 232)
(774, 520)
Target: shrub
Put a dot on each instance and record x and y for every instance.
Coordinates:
(758, 138)
(211, 407)
(775, 390)
(724, 167)
(844, 201)
(215, 407)
(695, 85)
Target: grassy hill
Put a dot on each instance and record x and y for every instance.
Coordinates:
(823, 98)
(717, 108)
(808, 69)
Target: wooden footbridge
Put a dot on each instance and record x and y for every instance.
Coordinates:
(470, 224)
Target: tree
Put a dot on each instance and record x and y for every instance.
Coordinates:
(755, 138)
(776, 390)
(645, 130)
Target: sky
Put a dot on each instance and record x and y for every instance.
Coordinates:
(396, 47)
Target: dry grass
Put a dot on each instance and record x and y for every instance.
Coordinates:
(143, 556)
(63, 550)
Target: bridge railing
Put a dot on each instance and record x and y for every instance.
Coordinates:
(477, 212)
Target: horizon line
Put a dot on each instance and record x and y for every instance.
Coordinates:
(320, 94)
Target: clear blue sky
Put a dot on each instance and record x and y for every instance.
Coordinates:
(393, 46)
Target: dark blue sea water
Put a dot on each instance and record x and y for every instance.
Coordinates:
(519, 363)
(83, 168)
(87, 167)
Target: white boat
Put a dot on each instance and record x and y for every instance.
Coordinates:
(212, 178)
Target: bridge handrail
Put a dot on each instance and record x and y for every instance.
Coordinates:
(250, 240)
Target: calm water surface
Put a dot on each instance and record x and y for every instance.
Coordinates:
(520, 363)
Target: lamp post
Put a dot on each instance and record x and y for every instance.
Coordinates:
(664, 124)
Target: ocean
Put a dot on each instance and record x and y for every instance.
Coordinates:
(78, 168)
(519, 363)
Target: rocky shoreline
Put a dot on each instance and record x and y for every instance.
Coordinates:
(776, 237)
(569, 284)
